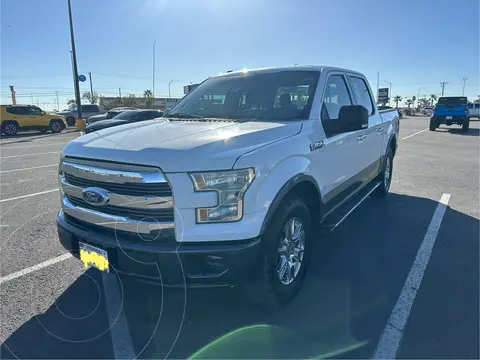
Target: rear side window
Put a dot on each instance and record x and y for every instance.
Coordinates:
(13, 110)
(477, 106)
(362, 93)
(34, 111)
(90, 108)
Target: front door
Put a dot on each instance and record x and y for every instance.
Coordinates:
(36, 118)
(339, 156)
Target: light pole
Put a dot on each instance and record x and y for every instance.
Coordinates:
(74, 61)
(389, 91)
(464, 81)
(443, 84)
(418, 94)
(153, 77)
(170, 83)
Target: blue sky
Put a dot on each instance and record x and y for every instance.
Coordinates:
(411, 43)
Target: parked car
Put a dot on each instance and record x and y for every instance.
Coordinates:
(427, 111)
(71, 114)
(233, 182)
(29, 117)
(124, 117)
(110, 114)
(451, 110)
(474, 110)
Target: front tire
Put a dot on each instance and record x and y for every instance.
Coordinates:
(284, 255)
(385, 177)
(56, 126)
(466, 125)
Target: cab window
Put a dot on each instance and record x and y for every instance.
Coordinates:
(336, 95)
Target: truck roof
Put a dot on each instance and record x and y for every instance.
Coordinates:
(287, 68)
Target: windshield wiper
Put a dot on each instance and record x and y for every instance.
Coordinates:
(183, 115)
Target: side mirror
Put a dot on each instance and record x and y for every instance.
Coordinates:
(353, 118)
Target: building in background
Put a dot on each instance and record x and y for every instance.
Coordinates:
(163, 104)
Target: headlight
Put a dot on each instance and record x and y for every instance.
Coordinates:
(230, 186)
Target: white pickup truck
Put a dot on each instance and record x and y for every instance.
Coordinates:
(232, 184)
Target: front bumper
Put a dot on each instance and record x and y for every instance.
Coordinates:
(165, 261)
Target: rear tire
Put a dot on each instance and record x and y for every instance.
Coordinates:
(466, 125)
(10, 128)
(279, 275)
(385, 177)
(56, 126)
(433, 125)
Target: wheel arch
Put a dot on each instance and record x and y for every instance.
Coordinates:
(301, 185)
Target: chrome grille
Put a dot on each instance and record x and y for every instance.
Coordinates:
(140, 214)
(133, 189)
(139, 199)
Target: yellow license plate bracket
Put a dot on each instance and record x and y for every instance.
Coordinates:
(92, 256)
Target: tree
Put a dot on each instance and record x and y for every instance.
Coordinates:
(409, 102)
(397, 99)
(71, 102)
(424, 102)
(433, 98)
(130, 100)
(87, 95)
(148, 96)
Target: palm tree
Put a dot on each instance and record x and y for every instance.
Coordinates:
(433, 98)
(397, 99)
(409, 102)
(148, 96)
(147, 93)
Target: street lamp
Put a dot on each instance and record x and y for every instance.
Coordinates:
(153, 75)
(170, 83)
(74, 63)
(389, 91)
(418, 94)
(464, 81)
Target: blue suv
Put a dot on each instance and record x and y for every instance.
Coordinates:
(450, 110)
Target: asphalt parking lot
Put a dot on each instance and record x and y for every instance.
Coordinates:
(51, 307)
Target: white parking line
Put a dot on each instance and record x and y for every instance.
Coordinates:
(389, 342)
(409, 136)
(29, 146)
(28, 168)
(119, 331)
(16, 156)
(33, 268)
(28, 195)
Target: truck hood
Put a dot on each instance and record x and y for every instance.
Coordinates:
(179, 146)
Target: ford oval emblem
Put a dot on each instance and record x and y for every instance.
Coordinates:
(95, 196)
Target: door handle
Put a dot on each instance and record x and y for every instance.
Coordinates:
(361, 137)
(379, 130)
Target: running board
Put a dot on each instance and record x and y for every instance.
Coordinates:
(332, 221)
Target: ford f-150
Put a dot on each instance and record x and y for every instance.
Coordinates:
(233, 185)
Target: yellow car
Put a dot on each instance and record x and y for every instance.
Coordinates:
(29, 117)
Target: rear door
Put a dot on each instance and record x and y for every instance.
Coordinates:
(372, 137)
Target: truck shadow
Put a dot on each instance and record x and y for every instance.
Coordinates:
(471, 131)
(355, 277)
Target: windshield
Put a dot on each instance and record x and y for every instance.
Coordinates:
(452, 101)
(127, 115)
(72, 107)
(285, 95)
